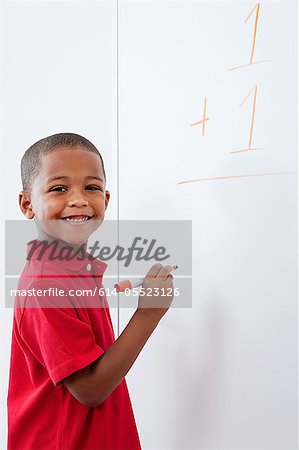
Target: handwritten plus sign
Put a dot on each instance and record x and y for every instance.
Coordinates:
(204, 120)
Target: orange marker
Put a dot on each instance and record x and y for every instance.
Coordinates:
(130, 284)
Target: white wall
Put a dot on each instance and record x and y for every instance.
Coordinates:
(222, 374)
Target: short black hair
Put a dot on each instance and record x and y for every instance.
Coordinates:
(32, 159)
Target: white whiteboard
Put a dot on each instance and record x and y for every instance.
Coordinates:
(222, 374)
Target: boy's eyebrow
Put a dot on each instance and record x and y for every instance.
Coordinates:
(65, 177)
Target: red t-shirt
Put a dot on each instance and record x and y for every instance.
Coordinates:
(53, 338)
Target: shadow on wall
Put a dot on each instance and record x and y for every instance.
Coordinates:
(196, 416)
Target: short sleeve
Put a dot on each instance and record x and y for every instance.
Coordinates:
(61, 341)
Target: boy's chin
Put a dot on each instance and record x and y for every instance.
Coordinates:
(72, 235)
(67, 240)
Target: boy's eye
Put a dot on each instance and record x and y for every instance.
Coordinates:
(93, 187)
(58, 189)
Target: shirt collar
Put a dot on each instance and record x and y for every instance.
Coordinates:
(65, 259)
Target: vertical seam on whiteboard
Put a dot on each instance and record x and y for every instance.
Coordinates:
(117, 153)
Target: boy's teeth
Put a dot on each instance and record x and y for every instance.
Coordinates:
(76, 219)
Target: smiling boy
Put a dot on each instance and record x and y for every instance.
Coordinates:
(67, 388)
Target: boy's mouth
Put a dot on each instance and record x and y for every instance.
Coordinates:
(76, 218)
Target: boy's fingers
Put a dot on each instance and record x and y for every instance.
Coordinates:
(159, 271)
(154, 270)
(164, 272)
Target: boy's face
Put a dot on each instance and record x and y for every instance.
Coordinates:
(68, 197)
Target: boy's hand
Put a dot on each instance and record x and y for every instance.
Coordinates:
(157, 292)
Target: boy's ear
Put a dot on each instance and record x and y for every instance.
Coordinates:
(107, 198)
(26, 205)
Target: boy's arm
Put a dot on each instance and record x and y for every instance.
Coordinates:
(93, 384)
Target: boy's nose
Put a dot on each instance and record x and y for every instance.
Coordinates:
(78, 200)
